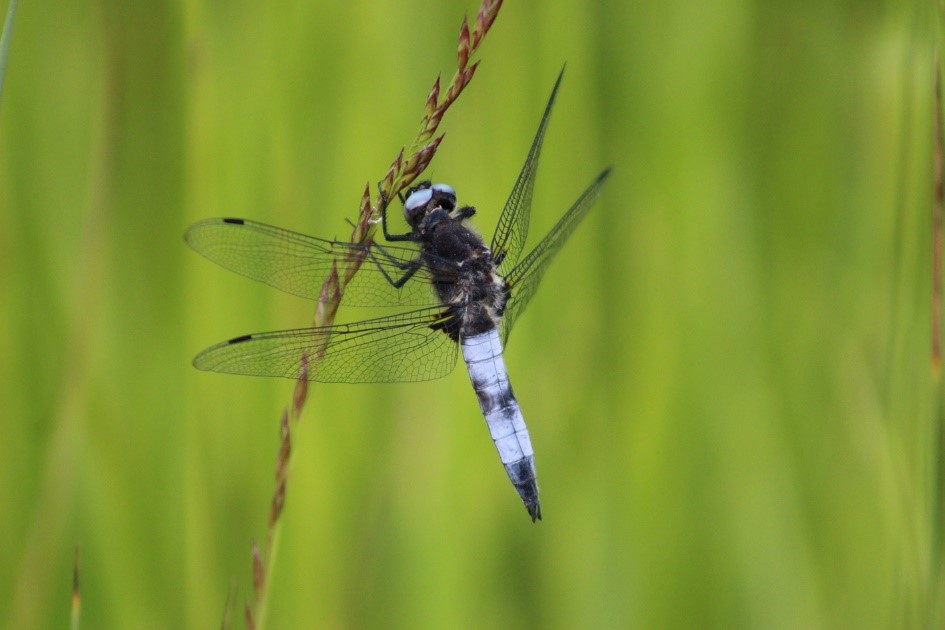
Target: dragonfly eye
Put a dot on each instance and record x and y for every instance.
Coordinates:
(445, 196)
(418, 199)
(444, 188)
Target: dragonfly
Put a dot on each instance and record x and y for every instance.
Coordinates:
(465, 297)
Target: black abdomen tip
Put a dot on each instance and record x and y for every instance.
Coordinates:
(534, 510)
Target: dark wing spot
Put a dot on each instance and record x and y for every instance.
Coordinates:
(240, 339)
(449, 323)
(234, 221)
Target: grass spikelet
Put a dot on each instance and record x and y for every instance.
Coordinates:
(402, 172)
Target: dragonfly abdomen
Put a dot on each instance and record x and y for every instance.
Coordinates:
(483, 355)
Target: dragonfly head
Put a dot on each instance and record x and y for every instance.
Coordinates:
(425, 198)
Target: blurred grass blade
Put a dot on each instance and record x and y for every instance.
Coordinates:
(5, 43)
(227, 622)
(938, 443)
(76, 593)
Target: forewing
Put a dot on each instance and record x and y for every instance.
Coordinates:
(403, 347)
(512, 230)
(299, 264)
(522, 282)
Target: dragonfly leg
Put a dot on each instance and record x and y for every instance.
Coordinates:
(383, 209)
(409, 268)
(464, 213)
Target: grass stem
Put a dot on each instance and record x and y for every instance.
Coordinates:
(402, 172)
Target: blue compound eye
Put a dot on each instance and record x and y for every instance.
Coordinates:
(418, 199)
(445, 188)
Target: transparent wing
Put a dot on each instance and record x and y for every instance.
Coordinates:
(404, 347)
(522, 282)
(298, 264)
(512, 230)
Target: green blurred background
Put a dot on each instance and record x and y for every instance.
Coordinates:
(726, 372)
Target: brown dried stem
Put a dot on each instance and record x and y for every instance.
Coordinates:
(402, 172)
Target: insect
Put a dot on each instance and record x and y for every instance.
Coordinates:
(468, 297)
